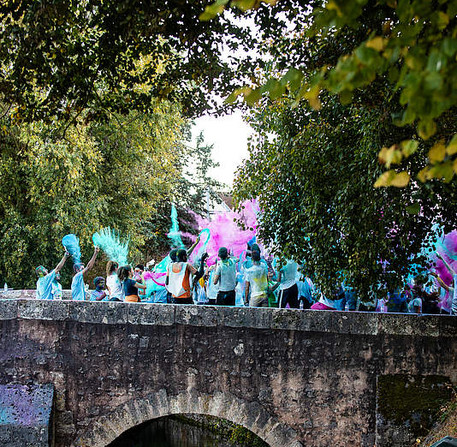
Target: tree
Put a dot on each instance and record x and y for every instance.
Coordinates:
(59, 178)
(58, 58)
(313, 172)
(412, 43)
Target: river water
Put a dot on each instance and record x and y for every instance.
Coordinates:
(188, 431)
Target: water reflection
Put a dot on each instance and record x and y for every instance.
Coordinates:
(188, 431)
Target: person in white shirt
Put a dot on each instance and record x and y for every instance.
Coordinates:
(287, 282)
(225, 277)
(114, 286)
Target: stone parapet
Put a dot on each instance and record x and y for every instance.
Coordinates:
(361, 323)
(27, 294)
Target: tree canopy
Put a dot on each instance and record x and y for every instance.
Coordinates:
(346, 48)
(58, 58)
(58, 179)
(314, 163)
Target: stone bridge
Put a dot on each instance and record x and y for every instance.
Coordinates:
(295, 378)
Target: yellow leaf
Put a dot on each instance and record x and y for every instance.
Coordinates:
(312, 96)
(408, 147)
(392, 178)
(377, 43)
(391, 155)
(400, 180)
(437, 152)
(426, 129)
(423, 174)
(452, 146)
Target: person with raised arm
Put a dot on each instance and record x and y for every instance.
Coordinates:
(45, 280)
(287, 283)
(225, 277)
(78, 292)
(179, 277)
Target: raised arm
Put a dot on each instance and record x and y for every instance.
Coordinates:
(101, 297)
(451, 270)
(192, 248)
(62, 262)
(275, 286)
(91, 263)
(440, 281)
(138, 285)
(246, 292)
(217, 275)
(199, 274)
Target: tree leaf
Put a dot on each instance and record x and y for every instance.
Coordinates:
(426, 128)
(451, 148)
(413, 209)
(437, 152)
(390, 156)
(392, 178)
(409, 147)
(377, 43)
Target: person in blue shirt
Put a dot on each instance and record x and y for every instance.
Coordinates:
(78, 292)
(99, 294)
(56, 288)
(46, 279)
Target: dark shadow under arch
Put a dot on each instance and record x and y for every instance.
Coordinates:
(135, 412)
(188, 430)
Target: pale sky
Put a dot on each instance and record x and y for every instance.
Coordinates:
(229, 135)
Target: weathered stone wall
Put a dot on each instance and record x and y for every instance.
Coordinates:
(292, 377)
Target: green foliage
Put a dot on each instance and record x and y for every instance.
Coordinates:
(58, 178)
(412, 44)
(58, 58)
(313, 174)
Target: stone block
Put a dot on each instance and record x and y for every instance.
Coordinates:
(408, 324)
(43, 310)
(395, 324)
(151, 314)
(8, 309)
(248, 317)
(363, 323)
(25, 415)
(110, 312)
(193, 315)
(288, 319)
(318, 321)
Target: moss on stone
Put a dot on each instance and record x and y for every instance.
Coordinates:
(413, 401)
(237, 434)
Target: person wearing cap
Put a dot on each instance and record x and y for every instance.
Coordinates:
(99, 294)
(45, 279)
(225, 276)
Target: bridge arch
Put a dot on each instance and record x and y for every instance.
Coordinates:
(134, 412)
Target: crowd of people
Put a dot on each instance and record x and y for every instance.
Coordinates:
(253, 282)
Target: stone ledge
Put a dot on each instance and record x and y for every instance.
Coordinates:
(357, 323)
